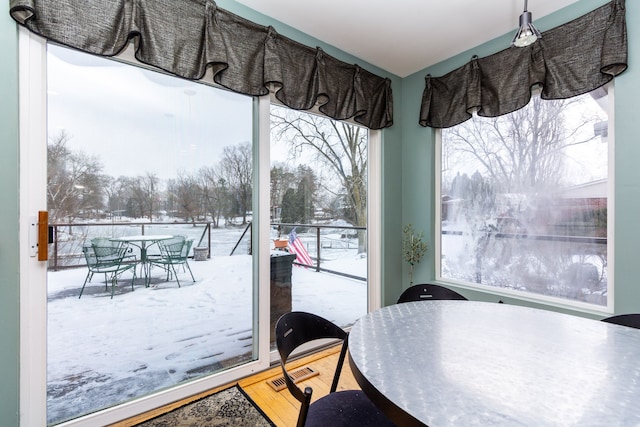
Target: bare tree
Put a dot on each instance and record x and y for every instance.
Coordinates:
(187, 194)
(214, 191)
(75, 181)
(236, 167)
(523, 150)
(338, 146)
(144, 195)
(116, 193)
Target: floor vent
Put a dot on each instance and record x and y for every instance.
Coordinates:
(298, 375)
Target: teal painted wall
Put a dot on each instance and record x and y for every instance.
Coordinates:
(418, 159)
(9, 314)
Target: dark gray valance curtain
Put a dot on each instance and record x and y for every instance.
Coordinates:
(184, 37)
(569, 60)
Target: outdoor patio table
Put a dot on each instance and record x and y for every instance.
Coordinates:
(143, 242)
(465, 363)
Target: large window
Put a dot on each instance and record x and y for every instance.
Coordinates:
(134, 152)
(318, 199)
(525, 198)
(130, 151)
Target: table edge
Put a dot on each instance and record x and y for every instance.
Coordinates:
(396, 414)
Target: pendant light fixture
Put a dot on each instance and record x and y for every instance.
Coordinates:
(527, 34)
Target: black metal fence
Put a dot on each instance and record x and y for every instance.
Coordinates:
(66, 240)
(322, 241)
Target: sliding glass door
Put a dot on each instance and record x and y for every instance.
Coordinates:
(133, 152)
(127, 158)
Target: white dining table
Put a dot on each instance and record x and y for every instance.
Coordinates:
(466, 363)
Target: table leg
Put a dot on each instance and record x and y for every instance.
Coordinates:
(145, 265)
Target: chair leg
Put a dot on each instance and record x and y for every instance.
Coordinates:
(119, 273)
(190, 272)
(88, 278)
(175, 273)
(114, 280)
(133, 279)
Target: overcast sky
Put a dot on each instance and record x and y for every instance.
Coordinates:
(137, 120)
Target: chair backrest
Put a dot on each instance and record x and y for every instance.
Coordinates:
(429, 291)
(106, 248)
(186, 248)
(631, 320)
(296, 328)
(173, 247)
(90, 255)
(104, 256)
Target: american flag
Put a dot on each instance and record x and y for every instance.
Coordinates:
(297, 247)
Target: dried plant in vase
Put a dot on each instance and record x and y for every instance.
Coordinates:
(413, 248)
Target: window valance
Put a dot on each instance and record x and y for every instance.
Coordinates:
(185, 37)
(569, 60)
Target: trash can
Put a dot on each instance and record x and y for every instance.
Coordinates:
(200, 253)
(281, 263)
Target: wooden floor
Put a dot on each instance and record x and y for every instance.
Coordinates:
(280, 406)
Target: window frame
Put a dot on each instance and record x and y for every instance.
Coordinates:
(530, 297)
(33, 300)
(374, 214)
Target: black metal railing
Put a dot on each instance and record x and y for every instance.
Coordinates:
(67, 239)
(323, 241)
(314, 246)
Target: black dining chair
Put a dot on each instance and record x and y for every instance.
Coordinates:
(338, 408)
(428, 291)
(631, 320)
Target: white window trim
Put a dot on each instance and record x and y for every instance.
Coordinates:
(561, 303)
(374, 220)
(33, 274)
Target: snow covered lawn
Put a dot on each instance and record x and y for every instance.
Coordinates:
(104, 351)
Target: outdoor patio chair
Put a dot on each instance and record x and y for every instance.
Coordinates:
(428, 291)
(338, 408)
(106, 249)
(631, 320)
(112, 265)
(173, 252)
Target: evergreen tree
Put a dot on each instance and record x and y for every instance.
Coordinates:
(290, 207)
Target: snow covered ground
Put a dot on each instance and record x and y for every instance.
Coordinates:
(104, 351)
